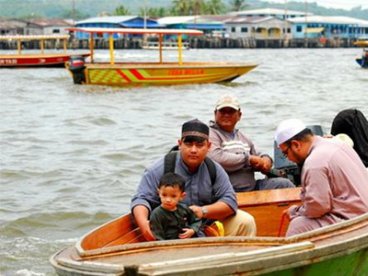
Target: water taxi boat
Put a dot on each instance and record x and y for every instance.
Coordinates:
(363, 59)
(25, 58)
(151, 73)
(117, 247)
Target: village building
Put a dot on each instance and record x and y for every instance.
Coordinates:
(115, 22)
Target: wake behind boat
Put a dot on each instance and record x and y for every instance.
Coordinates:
(118, 248)
(43, 58)
(158, 73)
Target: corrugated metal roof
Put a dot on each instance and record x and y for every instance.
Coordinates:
(188, 20)
(249, 20)
(51, 22)
(107, 19)
(330, 20)
(176, 19)
(269, 12)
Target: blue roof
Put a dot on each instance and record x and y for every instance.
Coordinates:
(116, 21)
(203, 26)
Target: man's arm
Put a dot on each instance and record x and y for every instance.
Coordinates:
(224, 198)
(231, 161)
(146, 198)
(141, 213)
(218, 210)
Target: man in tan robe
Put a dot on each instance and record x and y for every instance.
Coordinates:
(333, 178)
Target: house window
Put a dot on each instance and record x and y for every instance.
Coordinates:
(56, 31)
(298, 29)
(233, 30)
(244, 29)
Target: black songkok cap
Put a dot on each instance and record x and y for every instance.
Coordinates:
(196, 129)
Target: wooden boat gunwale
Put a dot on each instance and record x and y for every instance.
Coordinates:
(314, 235)
(254, 255)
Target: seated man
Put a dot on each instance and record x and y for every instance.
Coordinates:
(236, 153)
(214, 201)
(333, 178)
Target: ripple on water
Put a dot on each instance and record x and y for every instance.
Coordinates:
(72, 155)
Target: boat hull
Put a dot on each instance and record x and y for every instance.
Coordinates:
(306, 255)
(117, 248)
(36, 60)
(125, 75)
(362, 62)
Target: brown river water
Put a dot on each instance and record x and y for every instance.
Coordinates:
(71, 156)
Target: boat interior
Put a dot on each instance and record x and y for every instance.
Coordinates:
(266, 206)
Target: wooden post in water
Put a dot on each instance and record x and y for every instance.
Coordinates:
(91, 46)
(180, 49)
(160, 46)
(111, 48)
(42, 45)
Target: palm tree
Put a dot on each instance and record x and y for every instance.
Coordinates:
(121, 10)
(238, 5)
(182, 7)
(215, 7)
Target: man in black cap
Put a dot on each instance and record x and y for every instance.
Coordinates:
(209, 199)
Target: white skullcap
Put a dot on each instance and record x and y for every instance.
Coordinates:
(288, 129)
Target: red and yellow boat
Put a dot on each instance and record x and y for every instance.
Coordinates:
(151, 73)
(25, 58)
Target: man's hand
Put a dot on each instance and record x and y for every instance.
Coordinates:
(267, 164)
(187, 233)
(197, 210)
(146, 231)
(262, 164)
(256, 162)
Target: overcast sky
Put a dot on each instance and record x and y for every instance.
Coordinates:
(338, 4)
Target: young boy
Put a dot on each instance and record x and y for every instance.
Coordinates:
(172, 219)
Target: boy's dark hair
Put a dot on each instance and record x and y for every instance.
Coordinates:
(172, 180)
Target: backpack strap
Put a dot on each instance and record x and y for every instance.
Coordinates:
(170, 161)
(211, 169)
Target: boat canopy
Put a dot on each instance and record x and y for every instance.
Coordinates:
(41, 38)
(32, 37)
(159, 32)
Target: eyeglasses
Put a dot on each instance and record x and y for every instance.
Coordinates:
(286, 151)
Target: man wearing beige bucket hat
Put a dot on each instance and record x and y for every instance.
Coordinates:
(334, 180)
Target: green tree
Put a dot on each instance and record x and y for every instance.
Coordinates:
(215, 7)
(182, 7)
(238, 5)
(154, 12)
(121, 10)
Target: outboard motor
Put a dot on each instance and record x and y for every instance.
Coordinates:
(284, 167)
(76, 66)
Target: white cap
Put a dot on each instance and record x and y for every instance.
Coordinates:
(288, 129)
(227, 101)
